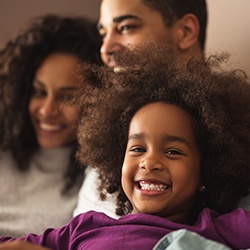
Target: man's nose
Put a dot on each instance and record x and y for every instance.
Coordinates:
(111, 44)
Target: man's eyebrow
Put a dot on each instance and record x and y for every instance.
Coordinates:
(124, 17)
(119, 19)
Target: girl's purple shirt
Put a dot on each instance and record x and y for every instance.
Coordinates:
(94, 230)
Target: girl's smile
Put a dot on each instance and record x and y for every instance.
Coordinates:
(152, 187)
(161, 170)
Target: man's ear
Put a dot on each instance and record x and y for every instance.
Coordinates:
(189, 29)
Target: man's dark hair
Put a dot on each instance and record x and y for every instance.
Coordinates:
(172, 10)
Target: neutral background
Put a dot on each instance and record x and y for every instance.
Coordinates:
(228, 26)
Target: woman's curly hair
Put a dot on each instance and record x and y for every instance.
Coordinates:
(19, 60)
(218, 101)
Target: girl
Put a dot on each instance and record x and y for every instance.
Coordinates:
(174, 144)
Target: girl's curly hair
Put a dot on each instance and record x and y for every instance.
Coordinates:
(19, 60)
(218, 101)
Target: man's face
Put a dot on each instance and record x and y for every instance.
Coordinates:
(128, 23)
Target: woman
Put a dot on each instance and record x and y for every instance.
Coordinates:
(39, 175)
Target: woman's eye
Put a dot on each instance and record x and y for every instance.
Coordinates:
(66, 98)
(38, 93)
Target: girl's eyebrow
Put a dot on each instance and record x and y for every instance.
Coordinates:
(168, 138)
(136, 136)
(118, 20)
(172, 138)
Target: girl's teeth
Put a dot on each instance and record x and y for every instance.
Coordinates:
(154, 187)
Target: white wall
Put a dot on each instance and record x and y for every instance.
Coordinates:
(228, 26)
(14, 14)
(229, 30)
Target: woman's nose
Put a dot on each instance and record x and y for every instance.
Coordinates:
(49, 108)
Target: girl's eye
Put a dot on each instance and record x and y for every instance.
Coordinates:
(138, 149)
(173, 152)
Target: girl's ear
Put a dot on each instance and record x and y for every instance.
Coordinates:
(202, 188)
(188, 31)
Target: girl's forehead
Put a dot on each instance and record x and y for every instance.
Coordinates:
(160, 119)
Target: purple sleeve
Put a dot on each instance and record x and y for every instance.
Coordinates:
(60, 238)
(235, 227)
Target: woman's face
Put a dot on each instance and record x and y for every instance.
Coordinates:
(161, 169)
(55, 80)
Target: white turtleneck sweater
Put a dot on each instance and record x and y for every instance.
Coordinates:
(32, 201)
(88, 198)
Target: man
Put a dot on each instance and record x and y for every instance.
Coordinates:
(181, 24)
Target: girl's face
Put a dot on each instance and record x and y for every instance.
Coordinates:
(54, 81)
(161, 170)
